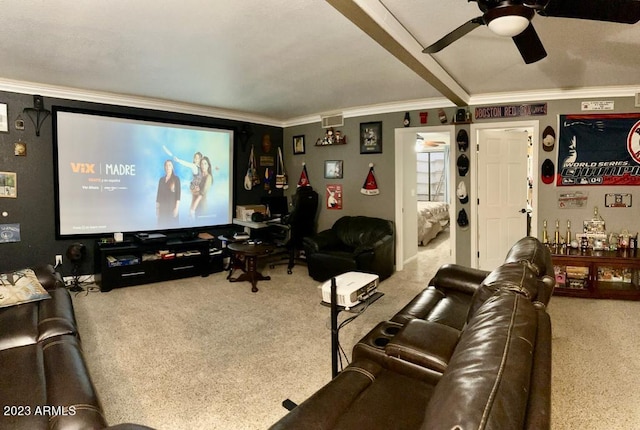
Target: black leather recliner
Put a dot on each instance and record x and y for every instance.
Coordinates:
(353, 243)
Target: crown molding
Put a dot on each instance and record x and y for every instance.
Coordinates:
(554, 94)
(377, 109)
(23, 87)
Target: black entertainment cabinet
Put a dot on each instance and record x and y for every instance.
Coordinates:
(121, 264)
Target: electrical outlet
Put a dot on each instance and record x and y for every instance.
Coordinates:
(58, 260)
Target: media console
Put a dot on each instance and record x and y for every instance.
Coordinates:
(123, 264)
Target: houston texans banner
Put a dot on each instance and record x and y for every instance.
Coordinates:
(601, 149)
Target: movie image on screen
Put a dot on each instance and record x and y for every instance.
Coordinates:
(117, 174)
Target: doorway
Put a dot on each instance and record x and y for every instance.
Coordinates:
(494, 145)
(406, 189)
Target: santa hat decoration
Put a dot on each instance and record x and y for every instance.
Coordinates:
(370, 187)
(304, 177)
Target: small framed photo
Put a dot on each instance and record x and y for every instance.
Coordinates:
(371, 137)
(8, 185)
(333, 169)
(20, 149)
(298, 144)
(4, 118)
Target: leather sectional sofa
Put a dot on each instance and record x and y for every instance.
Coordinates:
(471, 351)
(44, 381)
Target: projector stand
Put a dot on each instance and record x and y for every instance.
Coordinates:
(335, 310)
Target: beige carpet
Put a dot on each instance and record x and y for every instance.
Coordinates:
(203, 353)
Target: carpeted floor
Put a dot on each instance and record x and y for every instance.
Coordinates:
(203, 353)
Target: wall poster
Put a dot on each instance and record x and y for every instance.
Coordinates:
(599, 149)
(334, 196)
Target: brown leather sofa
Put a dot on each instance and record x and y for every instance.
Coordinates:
(471, 351)
(44, 381)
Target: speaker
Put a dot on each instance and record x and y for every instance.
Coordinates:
(257, 217)
(461, 115)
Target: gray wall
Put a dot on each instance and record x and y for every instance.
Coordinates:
(34, 208)
(356, 167)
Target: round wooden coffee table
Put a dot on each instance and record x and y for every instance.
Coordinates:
(245, 257)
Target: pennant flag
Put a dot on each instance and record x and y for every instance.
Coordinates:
(304, 177)
(370, 186)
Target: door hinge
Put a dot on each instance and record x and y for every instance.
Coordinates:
(478, 254)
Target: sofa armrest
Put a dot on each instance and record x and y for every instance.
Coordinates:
(48, 277)
(459, 278)
(425, 343)
(324, 240)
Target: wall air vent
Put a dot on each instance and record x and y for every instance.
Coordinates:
(333, 120)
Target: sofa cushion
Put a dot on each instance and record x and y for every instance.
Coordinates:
(447, 307)
(69, 384)
(361, 231)
(29, 323)
(364, 395)
(487, 381)
(23, 383)
(20, 286)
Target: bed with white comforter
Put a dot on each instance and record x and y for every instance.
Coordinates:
(433, 217)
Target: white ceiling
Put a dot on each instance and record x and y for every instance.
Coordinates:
(280, 61)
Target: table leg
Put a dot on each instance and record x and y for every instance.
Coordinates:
(252, 275)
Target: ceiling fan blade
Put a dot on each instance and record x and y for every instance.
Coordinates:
(622, 11)
(530, 45)
(454, 35)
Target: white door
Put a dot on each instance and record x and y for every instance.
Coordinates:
(502, 194)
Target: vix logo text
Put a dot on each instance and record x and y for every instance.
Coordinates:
(83, 168)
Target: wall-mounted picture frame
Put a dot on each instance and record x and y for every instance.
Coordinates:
(333, 196)
(298, 145)
(371, 137)
(20, 149)
(8, 184)
(333, 169)
(4, 118)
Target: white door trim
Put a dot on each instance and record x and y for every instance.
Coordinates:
(534, 127)
(405, 140)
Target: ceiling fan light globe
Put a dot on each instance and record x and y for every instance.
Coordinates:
(508, 25)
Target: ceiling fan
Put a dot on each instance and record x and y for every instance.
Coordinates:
(513, 18)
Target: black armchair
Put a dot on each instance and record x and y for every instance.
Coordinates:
(353, 243)
(299, 223)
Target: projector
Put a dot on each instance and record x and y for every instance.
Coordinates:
(351, 288)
